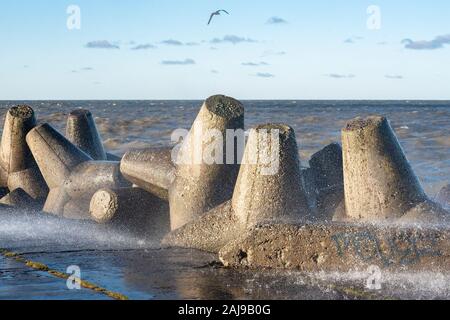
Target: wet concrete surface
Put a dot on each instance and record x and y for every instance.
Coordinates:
(138, 269)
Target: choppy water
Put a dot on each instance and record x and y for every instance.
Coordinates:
(134, 266)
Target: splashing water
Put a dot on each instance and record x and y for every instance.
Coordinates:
(28, 230)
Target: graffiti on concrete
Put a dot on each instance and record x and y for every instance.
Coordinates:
(403, 248)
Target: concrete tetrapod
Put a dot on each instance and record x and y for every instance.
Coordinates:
(20, 199)
(131, 209)
(70, 173)
(206, 170)
(82, 132)
(151, 169)
(379, 183)
(328, 181)
(17, 165)
(269, 188)
(84, 180)
(443, 197)
(204, 181)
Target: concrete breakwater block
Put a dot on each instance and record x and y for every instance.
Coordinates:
(70, 173)
(265, 191)
(82, 132)
(151, 169)
(17, 165)
(201, 185)
(131, 209)
(327, 180)
(20, 199)
(192, 184)
(54, 154)
(340, 247)
(443, 197)
(379, 183)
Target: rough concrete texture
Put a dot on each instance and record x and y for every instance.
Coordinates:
(258, 196)
(14, 152)
(270, 190)
(150, 169)
(326, 169)
(3, 178)
(208, 233)
(86, 178)
(132, 209)
(56, 200)
(77, 209)
(379, 181)
(443, 197)
(55, 155)
(31, 181)
(112, 157)
(18, 167)
(340, 247)
(3, 192)
(201, 185)
(82, 132)
(327, 166)
(18, 198)
(70, 172)
(426, 212)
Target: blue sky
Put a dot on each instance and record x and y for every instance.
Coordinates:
(317, 50)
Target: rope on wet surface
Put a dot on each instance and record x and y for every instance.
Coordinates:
(44, 268)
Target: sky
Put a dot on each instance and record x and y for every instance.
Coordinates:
(284, 49)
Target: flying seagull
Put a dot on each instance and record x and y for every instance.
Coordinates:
(216, 13)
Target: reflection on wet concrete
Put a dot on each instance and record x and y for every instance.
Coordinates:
(18, 282)
(189, 274)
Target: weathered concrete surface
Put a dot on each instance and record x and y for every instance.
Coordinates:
(201, 185)
(31, 181)
(18, 168)
(340, 247)
(443, 197)
(150, 169)
(71, 200)
(88, 177)
(18, 198)
(132, 209)
(3, 192)
(55, 155)
(112, 157)
(210, 232)
(14, 152)
(261, 194)
(70, 172)
(56, 200)
(328, 180)
(82, 132)
(76, 209)
(379, 181)
(270, 188)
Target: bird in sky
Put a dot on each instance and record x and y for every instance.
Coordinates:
(216, 13)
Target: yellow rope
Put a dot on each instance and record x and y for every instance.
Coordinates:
(44, 268)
